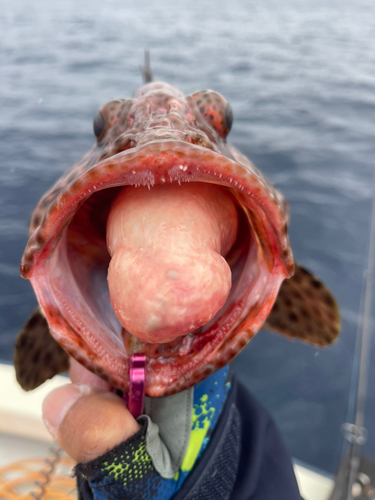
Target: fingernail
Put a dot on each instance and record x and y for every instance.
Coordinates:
(58, 402)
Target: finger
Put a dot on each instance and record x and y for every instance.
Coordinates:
(87, 421)
(80, 375)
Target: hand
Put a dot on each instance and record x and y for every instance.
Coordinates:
(85, 418)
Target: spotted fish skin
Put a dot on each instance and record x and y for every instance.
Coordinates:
(159, 136)
(38, 356)
(305, 310)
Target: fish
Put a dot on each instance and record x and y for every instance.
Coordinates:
(160, 137)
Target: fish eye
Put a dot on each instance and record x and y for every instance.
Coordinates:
(216, 111)
(228, 114)
(98, 125)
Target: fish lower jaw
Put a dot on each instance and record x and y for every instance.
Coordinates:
(89, 331)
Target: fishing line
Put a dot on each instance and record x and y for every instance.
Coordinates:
(356, 432)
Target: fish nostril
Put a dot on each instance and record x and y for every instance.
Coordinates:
(123, 143)
(200, 140)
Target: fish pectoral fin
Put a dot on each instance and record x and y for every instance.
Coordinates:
(37, 355)
(306, 310)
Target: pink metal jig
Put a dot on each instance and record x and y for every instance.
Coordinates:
(137, 378)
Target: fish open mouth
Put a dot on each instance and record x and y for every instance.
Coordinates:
(67, 261)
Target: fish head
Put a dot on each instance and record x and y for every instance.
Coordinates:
(159, 111)
(158, 137)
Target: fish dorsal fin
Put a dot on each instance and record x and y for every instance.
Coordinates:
(146, 69)
(37, 356)
(305, 310)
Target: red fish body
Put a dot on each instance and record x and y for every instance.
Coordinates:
(162, 138)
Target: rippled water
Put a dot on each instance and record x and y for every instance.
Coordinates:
(300, 79)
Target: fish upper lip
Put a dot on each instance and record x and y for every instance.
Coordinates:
(73, 195)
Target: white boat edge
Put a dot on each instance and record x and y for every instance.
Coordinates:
(313, 484)
(22, 431)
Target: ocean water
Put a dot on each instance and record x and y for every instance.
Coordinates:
(300, 78)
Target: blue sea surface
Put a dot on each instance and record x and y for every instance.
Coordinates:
(300, 77)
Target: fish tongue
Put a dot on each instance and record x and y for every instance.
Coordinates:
(167, 274)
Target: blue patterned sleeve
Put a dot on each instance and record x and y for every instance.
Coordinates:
(125, 473)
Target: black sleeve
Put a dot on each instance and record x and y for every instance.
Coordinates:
(245, 459)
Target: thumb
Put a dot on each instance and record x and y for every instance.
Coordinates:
(87, 421)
